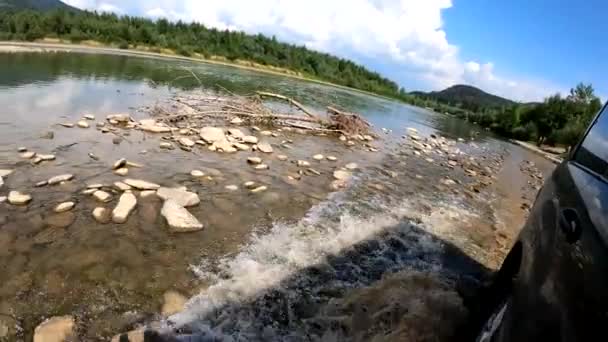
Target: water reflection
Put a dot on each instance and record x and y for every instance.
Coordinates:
(39, 89)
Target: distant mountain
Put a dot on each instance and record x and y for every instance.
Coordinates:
(41, 5)
(466, 95)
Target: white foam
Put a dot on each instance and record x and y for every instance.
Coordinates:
(269, 259)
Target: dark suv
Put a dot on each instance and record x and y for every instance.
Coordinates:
(553, 285)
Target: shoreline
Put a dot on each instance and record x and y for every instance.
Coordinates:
(532, 148)
(42, 46)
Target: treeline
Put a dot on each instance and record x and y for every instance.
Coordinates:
(557, 120)
(188, 39)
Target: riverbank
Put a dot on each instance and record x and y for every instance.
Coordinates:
(531, 147)
(97, 47)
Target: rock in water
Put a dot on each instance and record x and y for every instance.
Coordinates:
(303, 163)
(236, 121)
(56, 329)
(197, 173)
(212, 134)
(67, 124)
(1, 182)
(102, 196)
(242, 147)
(28, 155)
(282, 157)
(47, 135)
(318, 157)
(147, 194)
(60, 178)
(250, 139)
(122, 186)
(166, 145)
(179, 219)
(351, 166)
(224, 146)
(236, 133)
(232, 187)
(186, 142)
(254, 160)
(182, 198)
(102, 215)
(174, 302)
(63, 207)
(259, 189)
(46, 157)
(261, 167)
(5, 172)
(83, 124)
(123, 171)
(17, 198)
(141, 185)
(341, 175)
(331, 158)
(125, 206)
(120, 163)
(265, 147)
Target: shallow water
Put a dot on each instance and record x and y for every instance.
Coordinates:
(112, 277)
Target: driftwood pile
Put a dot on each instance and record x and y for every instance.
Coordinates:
(202, 107)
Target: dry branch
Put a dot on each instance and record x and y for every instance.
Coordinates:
(291, 101)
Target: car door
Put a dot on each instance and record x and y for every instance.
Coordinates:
(561, 291)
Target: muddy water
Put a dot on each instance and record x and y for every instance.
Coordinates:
(266, 266)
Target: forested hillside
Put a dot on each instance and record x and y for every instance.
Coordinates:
(192, 38)
(41, 5)
(467, 97)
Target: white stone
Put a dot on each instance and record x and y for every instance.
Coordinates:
(236, 121)
(368, 138)
(186, 142)
(89, 191)
(102, 196)
(282, 157)
(197, 173)
(343, 138)
(265, 147)
(318, 157)
(18, 198)
(254, 160)
(249, 185)
(126, 204)
(236, 133)
(259, 189)
(181, 197)
(1, 182)
(123, 171)
(3, 199)
(150, 125)
(342, 175)
(101, 215)
(120, 163)
(212, 134)
(303, 163)
(46, 157)
(332, 158)
(261, 167)
(41, 184)
(179, 219)
(95, 186)
(65, 206)
(5, 172)
(266, 133)
(67, 124)
(184, 131)
(56, 329)
(83, 124)
(242, 147)
(60, 178)
(28, 155)
(147, 194)
(140, 184)
(448, 181)
(351, 166)
(166, 145)
(89, 117)
(224, 146)
(232, 187)
(250, 139)
(412, 130)
(119, 118)
(122, 186)
(350, 143)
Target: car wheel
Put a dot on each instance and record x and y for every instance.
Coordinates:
(492, 325)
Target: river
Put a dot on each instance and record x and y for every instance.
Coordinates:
(298, 262)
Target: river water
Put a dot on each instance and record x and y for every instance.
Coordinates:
(298, 262)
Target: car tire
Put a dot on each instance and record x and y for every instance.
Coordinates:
(490, 328)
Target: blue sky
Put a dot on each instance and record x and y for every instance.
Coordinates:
(561, 42)
(523, 50)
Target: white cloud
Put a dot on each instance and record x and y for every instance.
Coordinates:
(403, 39)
